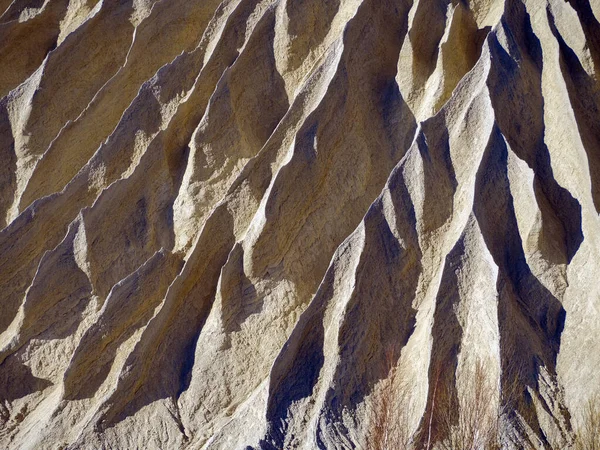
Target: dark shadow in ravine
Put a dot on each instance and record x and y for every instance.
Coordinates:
(378, 321)
(17, 381)
(425, 36)
(168, 345)
(239, 299)
(128, 309)
(296, 370)
(173, 336)
(379, 317)
(8, 170)
(530, 318)
(591, 29)
(584, 96)
(446, 342)
(438, 172)
(515, 87)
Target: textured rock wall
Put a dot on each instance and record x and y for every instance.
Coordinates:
(220, 218)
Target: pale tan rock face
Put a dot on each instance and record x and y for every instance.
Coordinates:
(230, 224)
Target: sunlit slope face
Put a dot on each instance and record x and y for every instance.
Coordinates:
(299, 224)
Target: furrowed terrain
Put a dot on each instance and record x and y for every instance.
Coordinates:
(241, 224)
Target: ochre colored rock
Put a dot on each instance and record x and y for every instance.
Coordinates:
(292, 224)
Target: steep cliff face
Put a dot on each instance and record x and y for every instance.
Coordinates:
(231, 224)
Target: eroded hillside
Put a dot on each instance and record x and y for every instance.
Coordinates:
(227, 223)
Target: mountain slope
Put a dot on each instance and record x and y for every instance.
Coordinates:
(231, 224)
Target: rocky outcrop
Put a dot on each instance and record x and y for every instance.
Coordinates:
(229, 224)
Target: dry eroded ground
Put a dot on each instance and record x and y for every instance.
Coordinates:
(220, 216)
